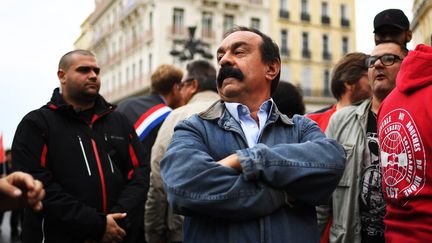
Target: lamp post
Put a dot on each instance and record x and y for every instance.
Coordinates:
(191, 46)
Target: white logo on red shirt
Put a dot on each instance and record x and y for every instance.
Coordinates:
(402, 156)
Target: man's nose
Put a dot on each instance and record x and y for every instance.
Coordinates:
(226, 60)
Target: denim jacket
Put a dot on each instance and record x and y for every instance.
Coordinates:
(292, 168)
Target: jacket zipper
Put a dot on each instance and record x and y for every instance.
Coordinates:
(109, 157)
(84, 154)
(110, 161)
(101, 176)
(43, 230)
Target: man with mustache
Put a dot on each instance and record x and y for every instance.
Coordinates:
(88, 157)
(241, 171)
(357, 204)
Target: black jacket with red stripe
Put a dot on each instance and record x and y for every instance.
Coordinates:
(88, 169)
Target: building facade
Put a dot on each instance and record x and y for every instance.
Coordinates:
(421, 25)
(132, 37)
(313, 35)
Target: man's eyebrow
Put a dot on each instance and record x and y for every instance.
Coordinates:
(233, 46)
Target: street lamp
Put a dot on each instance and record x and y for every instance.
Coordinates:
(191, 46)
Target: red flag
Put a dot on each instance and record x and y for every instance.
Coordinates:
(2, 152)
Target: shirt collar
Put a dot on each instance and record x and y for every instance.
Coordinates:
(235, 108)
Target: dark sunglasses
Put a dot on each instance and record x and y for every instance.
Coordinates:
(386, 60)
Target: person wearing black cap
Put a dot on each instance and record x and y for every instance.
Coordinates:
(392, 25)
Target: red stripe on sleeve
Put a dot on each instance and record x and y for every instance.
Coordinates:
(130, 174)
(43, 155)
(133, 156)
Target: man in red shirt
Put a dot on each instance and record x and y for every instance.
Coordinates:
(349, 84)
(404, 129)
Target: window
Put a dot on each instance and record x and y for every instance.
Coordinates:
(140, 68)
(325, 19)
(113, 48)
(283, 9)
(345, 45)
(133, 71)
(207, 24)
(120, 46)
(305, 44)
(325, 43)
(228, 23)
(326, 88)
(344, 17)
(151, 20)
(284, 43)
(119, 80)
(305, 11)
(113, 85)
(127, 74)
(307, 81)
(255, 23)
(178, 21)
(150, 64)
(285, 73)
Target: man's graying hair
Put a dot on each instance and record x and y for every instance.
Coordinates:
(204, 72)
(269, 50)
(64, 62)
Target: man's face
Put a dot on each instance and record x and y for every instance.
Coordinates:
(80, 82)
(383, 78)
(187, 87)
(242, 75)
(362, 89)
(391, 33)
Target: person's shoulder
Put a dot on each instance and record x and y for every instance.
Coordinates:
(148, 100)
(320, 111)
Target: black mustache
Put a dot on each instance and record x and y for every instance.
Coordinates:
(228, 72)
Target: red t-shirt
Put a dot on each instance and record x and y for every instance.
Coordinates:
(322, 117)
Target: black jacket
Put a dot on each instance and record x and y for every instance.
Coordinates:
(88, 169)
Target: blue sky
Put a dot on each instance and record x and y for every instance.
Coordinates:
(35, 34)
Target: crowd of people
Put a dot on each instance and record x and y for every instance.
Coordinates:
(227, 154)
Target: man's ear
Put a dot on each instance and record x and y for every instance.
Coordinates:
(194, 86)
(273, 70)
(61, 76)
(408, 36)
(348, 87)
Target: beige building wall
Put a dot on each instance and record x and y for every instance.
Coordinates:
(132, 37)
(309, 65)
(421, 25)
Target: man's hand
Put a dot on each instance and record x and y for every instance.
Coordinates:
(113, 232)
(19, 190)
(231, 161)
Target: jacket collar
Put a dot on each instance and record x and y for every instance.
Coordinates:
(363, 109)
(57, 102)
(218, 110)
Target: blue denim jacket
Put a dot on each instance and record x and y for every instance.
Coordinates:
(292, 168)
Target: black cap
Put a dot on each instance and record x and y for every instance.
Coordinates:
(392, 17)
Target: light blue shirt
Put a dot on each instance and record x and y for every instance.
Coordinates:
(242, 115)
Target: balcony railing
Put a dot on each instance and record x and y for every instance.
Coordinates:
(283, 14)
(325, 19)
(306, 54)
(345, 22)
(305, 17)
(326, 55)
(285, 52)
